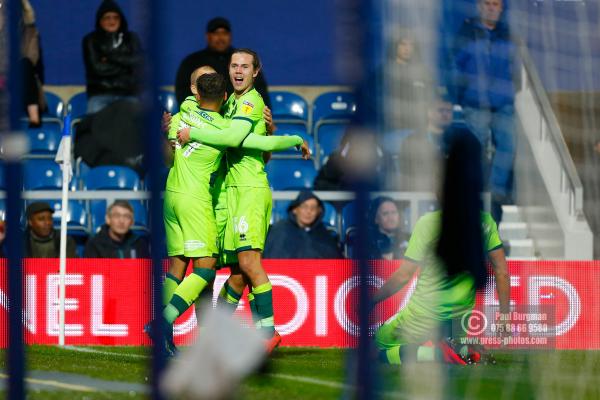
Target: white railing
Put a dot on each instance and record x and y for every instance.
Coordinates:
(554, 161)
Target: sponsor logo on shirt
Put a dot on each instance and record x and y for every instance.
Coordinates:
(247, 107)
(193, 245)
(193, 119)
(205, 115)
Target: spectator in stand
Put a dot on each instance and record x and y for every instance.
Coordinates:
(486, 77)
(302, 234)
(41, 239)
(410, 84)
(421, 153)
(217, 55)
(112, 57)
(386, 238)
(115, 239)
(357, 157)
(32, 67)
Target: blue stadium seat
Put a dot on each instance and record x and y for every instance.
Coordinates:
(291, 174)
(40, 174)
(168, 101)
(2, 210)
(2, 179)
(350, 240)
(77, 106)
(348, 217)
(331, 115)
(294, 129)
(81, 168)
(279, 211)
(288, 106)
(44, 141)
(140, 217)
(333, 106)
(328, 138)
(56, 107)
(330, 216)
(97, 213)
(111, 177)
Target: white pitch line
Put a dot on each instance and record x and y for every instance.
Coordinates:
(334, 384)
(314, 381)
(109, 353)
(57, 384)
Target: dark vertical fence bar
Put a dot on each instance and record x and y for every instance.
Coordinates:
(12, 146)
(153, 38)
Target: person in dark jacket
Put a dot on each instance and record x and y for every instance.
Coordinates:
(358, 157)
(112, 58)
(41, 239)
(217, 54)
(32, 67)
(486, 79)
(303, 234)
(386, 239)
(115, 239)
(422, 152)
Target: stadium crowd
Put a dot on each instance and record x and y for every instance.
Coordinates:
(419, 116)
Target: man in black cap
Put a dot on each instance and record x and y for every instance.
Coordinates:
(217, 55)
(41, 239)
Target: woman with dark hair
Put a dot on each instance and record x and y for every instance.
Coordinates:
(409, 83)
(112, 58)
(386, 238)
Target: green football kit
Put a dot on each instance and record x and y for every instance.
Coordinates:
(191, 195)
(249, 201)
(437, 298)
(193, 189)
(248, 194)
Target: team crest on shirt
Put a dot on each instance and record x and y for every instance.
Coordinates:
(247, 107)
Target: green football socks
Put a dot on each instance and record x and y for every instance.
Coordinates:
(187, 292)
(228, 298)
(409, 353)
(169, 286)
(263, 302)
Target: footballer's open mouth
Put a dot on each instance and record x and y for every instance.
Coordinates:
(238, 80)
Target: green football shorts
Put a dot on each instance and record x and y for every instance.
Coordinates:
(190, 226)
(249, 216)
(225, 258)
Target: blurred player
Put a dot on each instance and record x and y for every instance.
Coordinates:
(248, 195)
(438, 299)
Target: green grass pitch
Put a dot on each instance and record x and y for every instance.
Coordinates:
(310, 373)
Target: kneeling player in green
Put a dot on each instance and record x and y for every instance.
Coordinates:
(189, 216)
(438, 299)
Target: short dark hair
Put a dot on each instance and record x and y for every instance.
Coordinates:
(120, 203)
(211, 87)
(255, 59)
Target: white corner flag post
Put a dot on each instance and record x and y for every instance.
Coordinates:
(63, 157)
